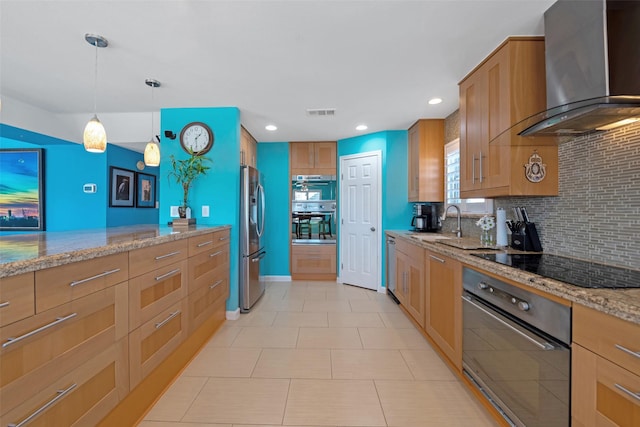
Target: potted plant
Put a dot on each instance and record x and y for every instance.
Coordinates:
(185, 172)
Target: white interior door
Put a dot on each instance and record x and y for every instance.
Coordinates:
(360, 207)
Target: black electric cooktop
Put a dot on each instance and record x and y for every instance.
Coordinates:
(573, 271)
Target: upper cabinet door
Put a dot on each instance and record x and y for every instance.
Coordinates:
(301, 155)
(324, 155)
(426, 161)
(313, 158)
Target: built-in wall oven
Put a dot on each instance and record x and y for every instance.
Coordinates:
(516, 349)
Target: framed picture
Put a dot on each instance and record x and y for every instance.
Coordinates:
(122, 188)
(22, 184)
(145, 190)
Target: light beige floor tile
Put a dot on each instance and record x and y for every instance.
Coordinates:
(427, 365)
(369, 364)
(430, 403)
(296, 320)
(280, 305)
(374, 306)
(355, 320)
(264, 425)
(397, 320)
(223, 362)
(240, 401)
(333, 402)
(176, 400)
(327, 306)
(293, 363)
(256, 318)
(329, 338)
(175, 424)
(378, 296)
(388, 338)
(266, 338)
(225, 336)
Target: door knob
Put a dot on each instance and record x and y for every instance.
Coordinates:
(373, 229)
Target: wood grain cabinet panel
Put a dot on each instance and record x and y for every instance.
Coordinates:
(309, 158)
(426, 161)
(248, 148)
(207, 268)
(205, 242)
(17, 298)
(154, 291)
(148, 259)
(58, 285)
(208, 301)
(81, 397)
(42, 348)
(152, 342)
(410, 279)
(313, 260)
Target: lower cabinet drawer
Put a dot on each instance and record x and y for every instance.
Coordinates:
(17, 298)
(207, 268)
(203, 303)
(49, 345)
(81, 397)
(319, 259)
(152, 342)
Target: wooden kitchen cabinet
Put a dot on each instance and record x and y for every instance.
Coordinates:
(504, 89)
(605, 379)
(313, 158)
(153, 257)
(313, 262)
(248, 148)
(444, 305)
(410, 279)
(17, 298)
(426, 161)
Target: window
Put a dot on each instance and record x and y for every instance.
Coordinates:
(307, 195)
(452, 183)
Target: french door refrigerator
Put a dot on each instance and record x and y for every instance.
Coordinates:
(252, 209)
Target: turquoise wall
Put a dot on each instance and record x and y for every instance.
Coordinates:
(396, 211)
(67, 168)
(219, 188)
(273, 163)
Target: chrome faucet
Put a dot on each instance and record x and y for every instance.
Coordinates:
(444, 216)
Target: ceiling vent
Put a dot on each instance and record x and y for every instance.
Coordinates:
(321, 112)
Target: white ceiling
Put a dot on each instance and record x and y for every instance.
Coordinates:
(375, 62)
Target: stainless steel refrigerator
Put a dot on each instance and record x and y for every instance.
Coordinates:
(252, 210)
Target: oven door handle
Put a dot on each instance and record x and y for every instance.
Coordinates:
(542, 345)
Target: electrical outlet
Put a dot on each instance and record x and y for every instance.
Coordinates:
(205, 211)
(174, 212)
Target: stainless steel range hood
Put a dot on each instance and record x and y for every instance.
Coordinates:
(592, 55)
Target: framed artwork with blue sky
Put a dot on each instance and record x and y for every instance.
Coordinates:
(22, 189)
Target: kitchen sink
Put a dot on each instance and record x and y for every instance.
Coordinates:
(466, 243)
(431, 238)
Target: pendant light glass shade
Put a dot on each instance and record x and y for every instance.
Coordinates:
(95, 137)
(152, 154)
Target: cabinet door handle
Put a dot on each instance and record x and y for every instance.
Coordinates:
(36, 331)
(205, 243)
(215, 254)
(165, 321)
(437, 259)
(480, 175)
(158, 258)
(627, 391)
(59, 395)
(4, 304)
(626, 350)
(215, 285)
(165, 275)
(97, 276)
(222, 239)
(473, 169)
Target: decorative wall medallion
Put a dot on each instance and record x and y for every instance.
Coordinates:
(535, 170)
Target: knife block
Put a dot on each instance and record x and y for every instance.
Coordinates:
(526, 239)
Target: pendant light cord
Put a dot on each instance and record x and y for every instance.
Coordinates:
(95, 83)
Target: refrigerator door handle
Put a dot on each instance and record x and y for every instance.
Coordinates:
(260, 231)
(259, 256)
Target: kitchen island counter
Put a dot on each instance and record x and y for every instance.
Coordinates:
(621, 303)
(27, 252)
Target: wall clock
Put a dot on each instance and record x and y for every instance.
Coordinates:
(196, 137)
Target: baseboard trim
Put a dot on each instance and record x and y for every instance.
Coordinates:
(233, 315)
(275, 278)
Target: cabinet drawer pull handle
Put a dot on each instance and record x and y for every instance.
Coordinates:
(473, 169)
(627, 391)
(158, 258)
(215, 254)
(437, 259)
(215, 285)
(165, 321)
(4, 304)
(205, 243)
(40, 329)
(165, 275)
(59, 395)
(626, 350)
(480, 175)
(97, 276)
(222, 239)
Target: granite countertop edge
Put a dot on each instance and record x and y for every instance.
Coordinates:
(126, 243)
(621, 303)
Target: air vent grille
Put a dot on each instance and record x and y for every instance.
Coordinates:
(321, 112)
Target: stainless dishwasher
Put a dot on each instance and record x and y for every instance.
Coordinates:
(391, 267)
(516, 349)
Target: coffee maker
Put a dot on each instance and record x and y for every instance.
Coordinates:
(425, 218)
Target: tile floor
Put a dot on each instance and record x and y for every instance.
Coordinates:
(318, 354)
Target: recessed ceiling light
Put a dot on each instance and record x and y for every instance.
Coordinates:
(434, 101)
(271, 127)
(362, 127)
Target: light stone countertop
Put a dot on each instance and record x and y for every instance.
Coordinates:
(621, 303)
(26, 252)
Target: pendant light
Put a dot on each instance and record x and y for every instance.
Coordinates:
(152, 150)
(95, 137)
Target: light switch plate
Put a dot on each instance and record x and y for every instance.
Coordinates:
(174, 212)
(205, 211)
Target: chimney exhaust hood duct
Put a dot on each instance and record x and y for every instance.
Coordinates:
(592, 54)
